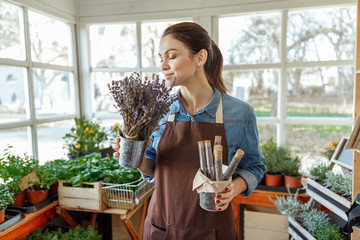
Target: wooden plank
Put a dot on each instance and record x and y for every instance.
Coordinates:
(271, 222)
(30, 223)
(80, 203)
(260, 234)
(328, 192)
(302, 230)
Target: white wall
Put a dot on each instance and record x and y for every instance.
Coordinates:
(91, 11)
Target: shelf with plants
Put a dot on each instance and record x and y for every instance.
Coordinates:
(305, 221)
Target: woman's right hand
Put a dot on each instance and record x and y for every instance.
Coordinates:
(116, 147)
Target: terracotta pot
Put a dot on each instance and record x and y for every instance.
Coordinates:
(273, 180)
(19, 199)
(2, 215)
(35, 197)
(54, 189)
(292, 182)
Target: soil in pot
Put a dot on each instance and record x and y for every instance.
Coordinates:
(19, 199)
(273, 180)
(35, 197)
(292, 181)
(2, 215)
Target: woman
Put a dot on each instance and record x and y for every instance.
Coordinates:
(203, 111)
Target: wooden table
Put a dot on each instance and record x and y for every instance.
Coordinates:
(259, 198)
(31, 222)
(125, 216)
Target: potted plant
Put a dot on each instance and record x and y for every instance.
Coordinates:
(340, 183)
(6, 198)
(291, 170)
(19, 196)
(319, 170)
(272, 157)
(39, 187)
(84, 138)
(142, 104)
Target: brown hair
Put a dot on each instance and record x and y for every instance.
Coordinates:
(196, 38)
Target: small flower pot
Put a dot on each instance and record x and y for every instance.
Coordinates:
(131, 152)
(35, 197)
(292, 182)
(273, 180)
(2, 215)
(19, 199)
(54, 189)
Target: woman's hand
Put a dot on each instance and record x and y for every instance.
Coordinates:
(223, 199)
(116, 147)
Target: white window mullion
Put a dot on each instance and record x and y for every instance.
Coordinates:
(32, 128)
(281, 113)
(138, 47)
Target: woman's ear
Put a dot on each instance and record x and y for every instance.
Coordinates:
(201, 57)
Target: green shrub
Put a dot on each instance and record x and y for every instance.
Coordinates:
(319, 171)
(329, 232)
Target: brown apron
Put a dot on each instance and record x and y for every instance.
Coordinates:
(174, 211)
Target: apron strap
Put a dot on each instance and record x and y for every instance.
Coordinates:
(218, 117)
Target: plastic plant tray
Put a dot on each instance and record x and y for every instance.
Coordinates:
(280, 189)
(29, 208)
(12, 217)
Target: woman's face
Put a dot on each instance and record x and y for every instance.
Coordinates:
(176, 60)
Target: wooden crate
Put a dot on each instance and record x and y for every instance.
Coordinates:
(265, 223)
(81, 198)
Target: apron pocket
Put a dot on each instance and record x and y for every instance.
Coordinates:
(181, 233)
(157, 233)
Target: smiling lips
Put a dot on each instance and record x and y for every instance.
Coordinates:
(168, 75)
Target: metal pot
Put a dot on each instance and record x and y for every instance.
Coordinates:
(131, 152)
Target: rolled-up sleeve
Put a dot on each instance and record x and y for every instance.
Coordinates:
(150, 154)
(251, 167)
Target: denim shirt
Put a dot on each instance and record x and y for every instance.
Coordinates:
(240, 130)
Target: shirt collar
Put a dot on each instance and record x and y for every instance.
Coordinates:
(210, 108)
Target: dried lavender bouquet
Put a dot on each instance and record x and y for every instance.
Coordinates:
(142, 104)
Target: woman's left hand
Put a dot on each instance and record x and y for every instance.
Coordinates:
(223, 199)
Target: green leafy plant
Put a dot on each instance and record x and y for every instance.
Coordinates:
(93, 168)
(290, 205)
(339, 182)
(319, 171)
(314, 219)
(84, 138)
(44, 181)
(6, 197)
(78, 233)
(329, 232)
(291, 166)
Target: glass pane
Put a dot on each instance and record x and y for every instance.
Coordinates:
(320, 92)
(50, 140)
(321, 34)
(54, 92)
(258, 88)
(150, 39)
(311, 139)
(13, 94)
(18, 138)
(103, 100)
(266, 131)
(50, 40)
(12, 40)
(250, 39)
(113, 45)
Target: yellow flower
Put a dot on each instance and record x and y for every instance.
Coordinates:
(84, 124)
(332, 146)
(116, 125)
(335, 142)
(79, 126)
(78, 146)
(92, 131)
(86, 130)
(79, 138)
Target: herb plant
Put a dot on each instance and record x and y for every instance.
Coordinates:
(290, 205)
(314, 219)
(6, 197)
(77, 233)
(339, 182)
(84, 138)
(319, 171)
(141, 104)
(329, 232)
(330, 149)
